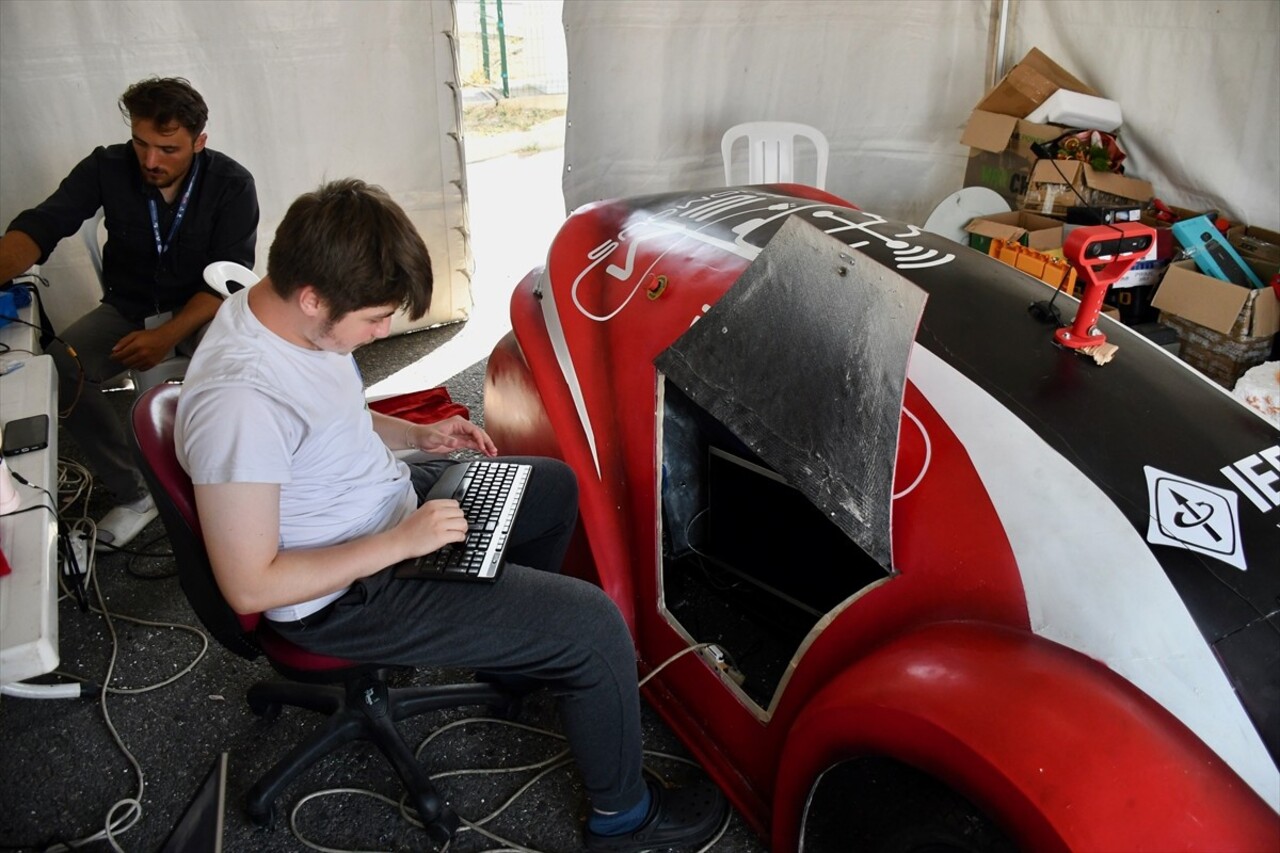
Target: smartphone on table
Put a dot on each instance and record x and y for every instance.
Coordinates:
(23, 435)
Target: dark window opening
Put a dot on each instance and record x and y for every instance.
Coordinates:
(749, 563)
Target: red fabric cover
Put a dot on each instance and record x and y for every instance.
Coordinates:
(421, 407)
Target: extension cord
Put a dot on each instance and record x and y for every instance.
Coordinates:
(80, 550)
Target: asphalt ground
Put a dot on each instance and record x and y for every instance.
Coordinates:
(64, 776)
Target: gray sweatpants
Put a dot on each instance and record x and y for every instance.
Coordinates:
(92, 421)
(532, 623)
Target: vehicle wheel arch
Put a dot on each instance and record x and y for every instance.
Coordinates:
(1051, 746)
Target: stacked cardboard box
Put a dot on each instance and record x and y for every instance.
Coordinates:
(1223, 328)
(1045, 194)
(1000, 137)
(1056, 186)
(1018, 226)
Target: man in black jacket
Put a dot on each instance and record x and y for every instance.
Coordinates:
(171, 207)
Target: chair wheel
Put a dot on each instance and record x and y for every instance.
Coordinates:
(441, 830)
(262, 817)
(268, 711)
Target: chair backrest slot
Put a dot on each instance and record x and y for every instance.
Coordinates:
(771, 151)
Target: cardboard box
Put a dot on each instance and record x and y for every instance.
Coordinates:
(1257, 244)
(1240, 312)
(1000, 156)
(1017, 226)
(1029, 84)
(1050, 189)
(1223, 329)
(1000, 142)
(1208, 247)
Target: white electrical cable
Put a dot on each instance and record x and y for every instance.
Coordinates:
(75, 484)
(545, 767)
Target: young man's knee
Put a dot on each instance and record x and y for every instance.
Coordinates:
(601, 620)
(557, 481)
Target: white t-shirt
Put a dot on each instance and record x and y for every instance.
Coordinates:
(255, 408)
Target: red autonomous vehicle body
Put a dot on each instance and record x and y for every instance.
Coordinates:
(947, 581)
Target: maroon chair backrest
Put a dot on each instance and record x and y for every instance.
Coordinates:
(247, 635)
(152, 420)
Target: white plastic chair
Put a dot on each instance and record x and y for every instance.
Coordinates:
(771, 151)
(173, 368)
(228, 277)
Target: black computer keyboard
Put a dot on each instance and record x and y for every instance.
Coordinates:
(490, 495)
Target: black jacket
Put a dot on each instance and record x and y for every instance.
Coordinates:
(221, 224)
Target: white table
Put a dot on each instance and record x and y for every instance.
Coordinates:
(29, 594)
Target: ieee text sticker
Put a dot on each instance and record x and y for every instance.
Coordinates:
(1195, 516)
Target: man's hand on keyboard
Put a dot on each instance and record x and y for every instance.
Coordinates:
(433, 525)
(452, 433)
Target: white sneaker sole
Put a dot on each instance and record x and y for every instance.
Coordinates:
(119, 527)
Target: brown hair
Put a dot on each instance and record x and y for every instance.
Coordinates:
(164, 100)
(355, 246)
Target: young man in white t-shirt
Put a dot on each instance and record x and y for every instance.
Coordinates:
(304, 507)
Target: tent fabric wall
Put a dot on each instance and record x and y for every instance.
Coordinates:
(299, 92)
(1199, 83)
(654, 83)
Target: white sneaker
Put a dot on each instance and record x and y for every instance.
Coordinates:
(122, 524)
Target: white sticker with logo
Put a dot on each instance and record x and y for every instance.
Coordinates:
(1195, 516)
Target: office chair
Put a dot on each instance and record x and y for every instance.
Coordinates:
(771, 151)
(355, 696)
(173, 368)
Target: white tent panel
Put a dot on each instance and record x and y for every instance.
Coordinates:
(654, 83)
(298, 92)
(1199, 83)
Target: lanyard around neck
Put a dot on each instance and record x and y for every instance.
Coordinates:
(161, 248)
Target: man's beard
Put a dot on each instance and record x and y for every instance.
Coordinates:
(161, 181)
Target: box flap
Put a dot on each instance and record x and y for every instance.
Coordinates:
(1081, 175)
(1053, 172)
(1266, 313)
(988, 131)
(1000, 230)
(1036, 59)
(1201, 299)
(1256, 243)
(1027, 133)
(1041, 231)
(1029, 84)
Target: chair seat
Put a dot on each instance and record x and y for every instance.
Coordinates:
(306, 665)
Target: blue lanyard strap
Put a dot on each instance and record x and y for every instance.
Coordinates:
(161, 248)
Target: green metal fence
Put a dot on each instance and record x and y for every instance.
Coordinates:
(512, 48)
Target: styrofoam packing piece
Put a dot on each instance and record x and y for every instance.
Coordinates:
(1076, 109)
